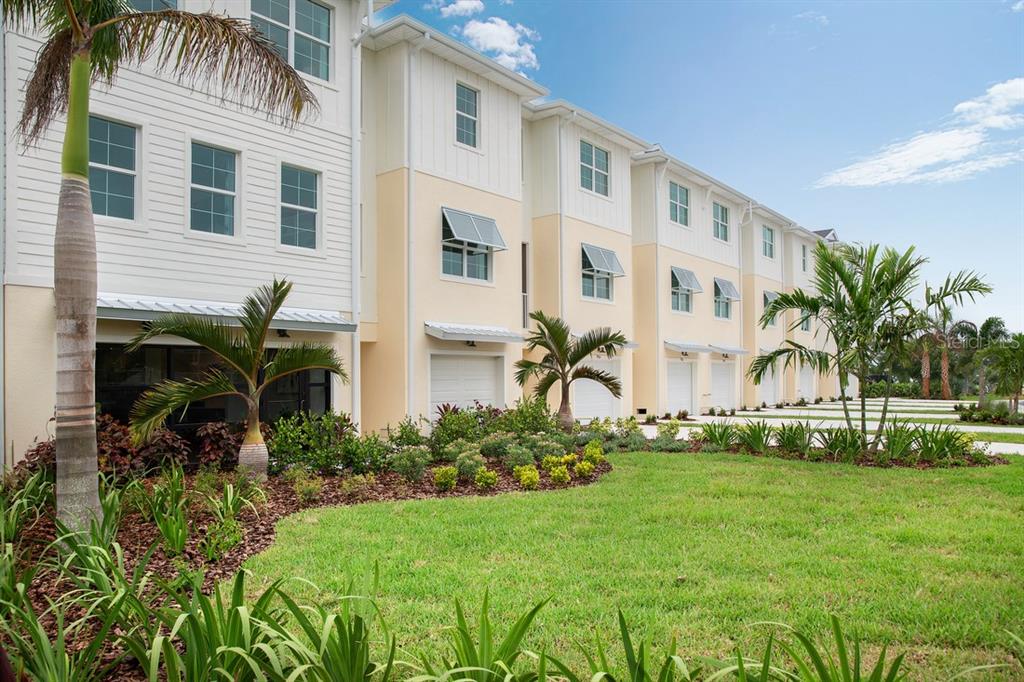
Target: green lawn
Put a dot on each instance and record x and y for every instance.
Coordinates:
(997, 437)
(701, 546)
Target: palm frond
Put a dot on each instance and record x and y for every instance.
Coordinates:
(258, 311)
(606, 379)
(791, 354)
(964, 284)
(544, 385)
(300, 357)
(552, 334)
(46, 92)
(209, 48)
(24, 14)
(526, 369)
(601, 339)
(155, 405)
(203, 331)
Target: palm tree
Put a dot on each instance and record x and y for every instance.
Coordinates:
(87, 41)
(862, 304)
(1007, 358)
(563, 358)
(943, 328)
(242, 354)
(993, 330)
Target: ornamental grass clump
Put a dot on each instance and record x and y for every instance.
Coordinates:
(719, 435)
(22, 503)
(795, 437)
(754, 436)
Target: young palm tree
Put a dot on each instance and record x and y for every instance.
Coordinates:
(943, 328)
(1007, 358)
(992, 331)
(87, 41)
(563, 360)
(243, 354)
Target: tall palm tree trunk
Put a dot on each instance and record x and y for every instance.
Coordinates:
(74, 279)
(253, 456)
(565, 419)
(981, 384)
(926, 373)
(947, 392)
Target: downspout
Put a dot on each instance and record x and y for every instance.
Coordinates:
(3, 258)
(356, 215)
(743, 327)
(659, 178)
(410, 185)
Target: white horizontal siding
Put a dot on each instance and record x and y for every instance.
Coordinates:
(157, 254)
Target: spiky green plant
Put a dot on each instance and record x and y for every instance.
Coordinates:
(755, 436)
(721, 435)
(21, 503)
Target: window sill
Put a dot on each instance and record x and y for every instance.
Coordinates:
(682, 313)
(454, 279)
(235, 238)
(317, 252)
(596, 195)
(132, 225)
(465, 147)
(594, 299)
(722, 241)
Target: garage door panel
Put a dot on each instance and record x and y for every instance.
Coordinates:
(680, 386)
(592, 400)
(723, 385)
(463, 379)
(768, 389)
(807, 382)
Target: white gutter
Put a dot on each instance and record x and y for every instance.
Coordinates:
(410, 185)
(356, 213)
(659, 177)
(3, 256)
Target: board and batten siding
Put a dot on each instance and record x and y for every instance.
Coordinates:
(157, 254)
(612, 211)
(754, 260)
(698, 237)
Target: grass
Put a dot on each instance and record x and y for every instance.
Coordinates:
(701, 546)
(996, 437)
(952, 419)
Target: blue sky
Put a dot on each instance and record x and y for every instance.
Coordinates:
(895, 122)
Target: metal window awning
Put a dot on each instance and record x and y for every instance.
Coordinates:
(728, 350)
(601, 261)
(728, 289)
(450, 331)
(771, 295)
(461, 226)
(687, 280)
(687, 347)
(145, 308)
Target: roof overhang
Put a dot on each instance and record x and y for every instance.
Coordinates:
(656, 154)
(146, 308)
(728, 350)
(535, 111)
(451, 331)
(404, 28)
(687, 347)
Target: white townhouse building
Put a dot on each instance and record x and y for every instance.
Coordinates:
(196, 202)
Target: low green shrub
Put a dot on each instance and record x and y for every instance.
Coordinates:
(530, 414)
(583, 469)
(527, 476)
(452, 425)
(795, 437)
(308, 488)
(755, 436)
(411, 462)
(899, 444)
(942, 443)
(446, 478)
(357, 483)
(485, 479)
(365, 454)
(220, 538)
(720, 435)
(550, 462)
(312, 441)
(468, 463)
(405, 434)
(669, 429)
(842, 444)
(898, 389)
(517, 456)
(451, 452)
(559, 475)
(496, 444)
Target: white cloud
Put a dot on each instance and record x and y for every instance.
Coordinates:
(508, 45)
(817, 17)
(455, 8)
(960, 150)
(1018, 6)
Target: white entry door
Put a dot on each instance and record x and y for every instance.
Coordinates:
(464, 379)
(680, 386)
(723, 385)
(806, 382)
(768, 389)
(592, 400)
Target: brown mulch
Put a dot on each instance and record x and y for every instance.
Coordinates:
(136, 535)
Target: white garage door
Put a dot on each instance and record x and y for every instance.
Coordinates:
(462, 379)
(852, 387)
(806, 382)
(592, 400)
(680, 386)
(723, 385)
(768, 389)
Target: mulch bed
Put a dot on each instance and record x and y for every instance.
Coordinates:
(136, 535)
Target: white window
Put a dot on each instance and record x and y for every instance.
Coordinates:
(467, 244)
(723, 306)
(599, 268)
(766, 300)
(300, 31)
(682, 297)
(212, 198)
(466, 118)
(299, 206)
(805, 324)
(803, 257)
(593, 168)
(720, 222)
(678, 204)
(112, 168)
(767, 241)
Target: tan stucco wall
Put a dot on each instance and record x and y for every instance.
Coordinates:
(645, 357)
(30, 368)
(755, 338)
